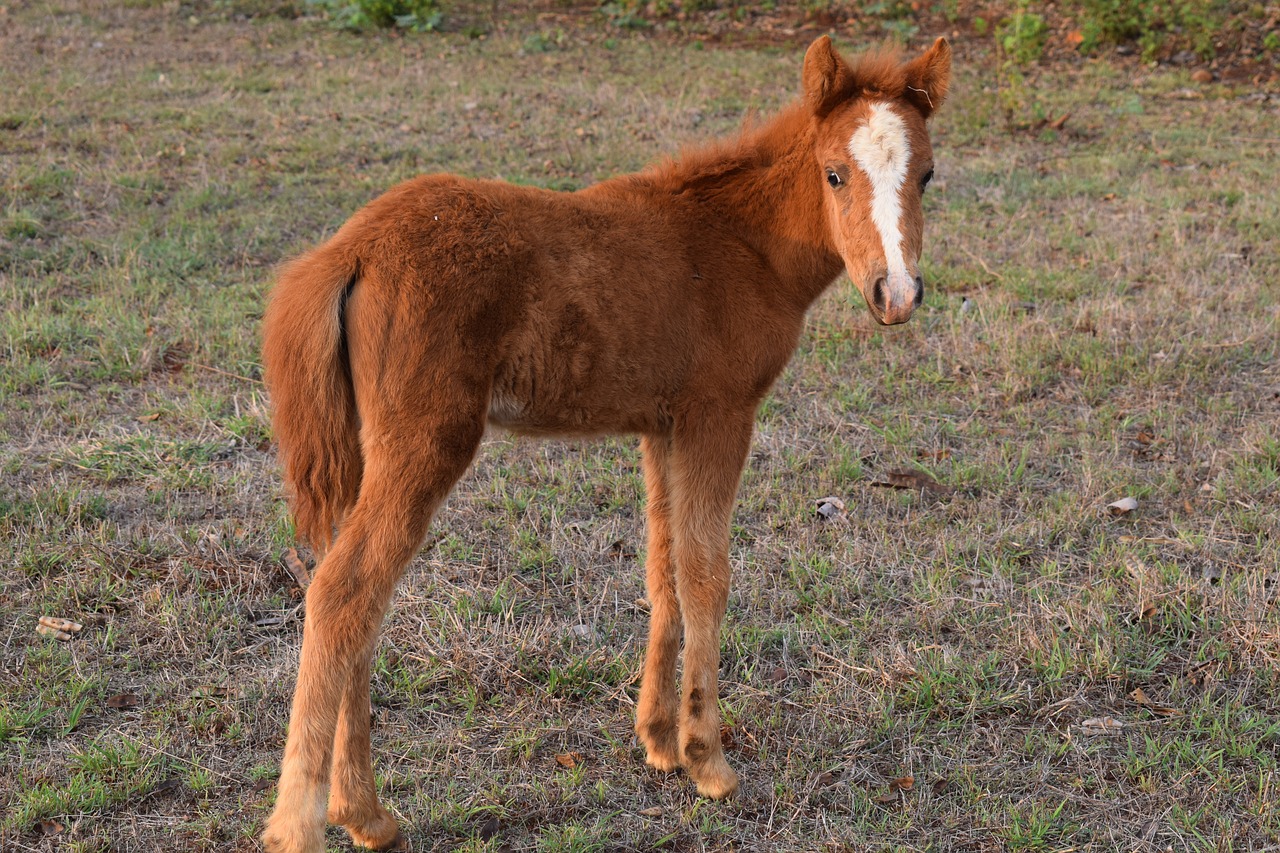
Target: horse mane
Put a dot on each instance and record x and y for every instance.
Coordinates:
(877, 73)
(756, 143)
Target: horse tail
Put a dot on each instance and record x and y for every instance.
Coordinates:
(308, 375)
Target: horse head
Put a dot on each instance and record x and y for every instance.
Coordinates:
(873, 155)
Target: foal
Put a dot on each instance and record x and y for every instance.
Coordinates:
(663, 303)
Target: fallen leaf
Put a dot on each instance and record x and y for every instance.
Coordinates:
(1102, 726)
(910, 479)
(1124, 506)
(831, 507)
(1060, 122)
(53, 632)
(569, 759)
(49, 827)
(297, 569)
(124, 701)
(1202, 75)
(825, 779)
(886, 799)
(489, 829)
(1139, 696)
(727, 740)
(153, 416)
(1202, 672)
(652, 811)
(1136, 568)
(902, 783)
(60, 624)
(57, 627)
(1075, 38)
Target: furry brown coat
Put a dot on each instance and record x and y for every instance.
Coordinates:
(663, 303)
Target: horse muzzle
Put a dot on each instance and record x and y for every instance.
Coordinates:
(893, 299)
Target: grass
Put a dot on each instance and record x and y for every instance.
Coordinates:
(1101, 322)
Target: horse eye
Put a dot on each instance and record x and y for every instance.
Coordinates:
(924, 182)
(833, 179)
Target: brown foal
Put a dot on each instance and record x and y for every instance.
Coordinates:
(663, 303)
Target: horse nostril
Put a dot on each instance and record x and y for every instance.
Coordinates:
(919, 291)
(878, 297)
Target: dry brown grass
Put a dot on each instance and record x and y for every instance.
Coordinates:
(1102, 323)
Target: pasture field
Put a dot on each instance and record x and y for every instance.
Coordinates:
(987, 660)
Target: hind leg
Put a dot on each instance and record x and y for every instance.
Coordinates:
(656, 713)
(406, 477)
(353, 799)
(706, 463)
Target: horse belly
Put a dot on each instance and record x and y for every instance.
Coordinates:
(567, 387)
(572, 414)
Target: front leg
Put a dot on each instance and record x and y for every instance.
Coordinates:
(656, 713)
(706, 464)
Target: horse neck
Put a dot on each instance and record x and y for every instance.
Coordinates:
(769, 192)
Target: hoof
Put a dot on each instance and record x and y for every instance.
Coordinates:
(719, 789)
(715, 779)
(278, 839)
(664, 763)
(659, 746)
(381, 833)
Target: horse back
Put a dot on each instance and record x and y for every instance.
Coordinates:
(591, 312)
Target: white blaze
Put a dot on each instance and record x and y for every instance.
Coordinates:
(881, 149)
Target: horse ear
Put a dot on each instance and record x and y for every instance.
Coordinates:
(928, 77)
(826, 77)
